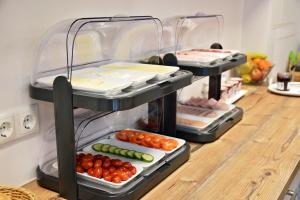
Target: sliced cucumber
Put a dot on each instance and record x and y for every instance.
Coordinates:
(123, 152)
(117, 151)
(97, 147)
(138, 155)
(112, 149)
(130, 154)
(105, 148)
(147, 157)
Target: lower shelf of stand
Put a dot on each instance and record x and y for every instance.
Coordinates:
(129, 98)
(88, 190)
(213, 131)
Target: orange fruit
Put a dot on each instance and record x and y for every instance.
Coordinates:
(257, 61)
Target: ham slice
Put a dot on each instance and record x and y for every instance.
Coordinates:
(190, 122)
(207, 103)
(196, 111)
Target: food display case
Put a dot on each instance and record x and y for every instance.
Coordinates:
(106, 104)
(193, 43)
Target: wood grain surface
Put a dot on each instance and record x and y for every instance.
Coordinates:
(255, 159)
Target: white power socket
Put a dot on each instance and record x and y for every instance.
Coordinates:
(18, 122)
(7, 128)
(27, 121)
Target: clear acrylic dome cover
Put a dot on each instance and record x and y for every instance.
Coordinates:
(189, 32)
(78, 43)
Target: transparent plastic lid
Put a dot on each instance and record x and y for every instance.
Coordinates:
(87, 42)
(189, 32)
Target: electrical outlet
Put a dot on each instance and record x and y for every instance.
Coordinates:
(27, 121)
(6, 129)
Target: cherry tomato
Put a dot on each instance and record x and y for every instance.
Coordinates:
(105, 158)
(87, 164)
(105, 172)
(106, 163)
(108, 177)
(117, 163)
(132, 170)
(97, 172)
(127, 165)
(114, 173)
(80, 155)
(124, 176)
(98, 157)
(112, 169)
(90, 172)
(98, 163)
(123, 169)
(168, 144)
(116, 179)
(87, 157)
(79, 169)
(129, 173)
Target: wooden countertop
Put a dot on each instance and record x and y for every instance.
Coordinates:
(256, 159)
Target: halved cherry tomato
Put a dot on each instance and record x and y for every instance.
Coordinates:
(122, 136)
(168, 144)
(155, 142)
(139, 138)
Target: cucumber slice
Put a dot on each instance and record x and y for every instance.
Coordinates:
(117, 151)
(105, 148)
(130, 154)
(97, 147)
(112, 149)
(138, 155)
(147, 157)
(123, 152)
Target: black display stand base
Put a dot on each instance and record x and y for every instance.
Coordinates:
(213, 131)
(136, 192)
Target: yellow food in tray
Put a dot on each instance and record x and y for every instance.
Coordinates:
(98, 84)
(158, 69)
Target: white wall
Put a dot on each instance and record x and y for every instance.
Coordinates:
(22, 25)
(273, 27)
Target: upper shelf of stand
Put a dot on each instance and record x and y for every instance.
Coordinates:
(194, 43)
(100, 58)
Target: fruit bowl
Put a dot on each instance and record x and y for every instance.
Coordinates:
(255, 70)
